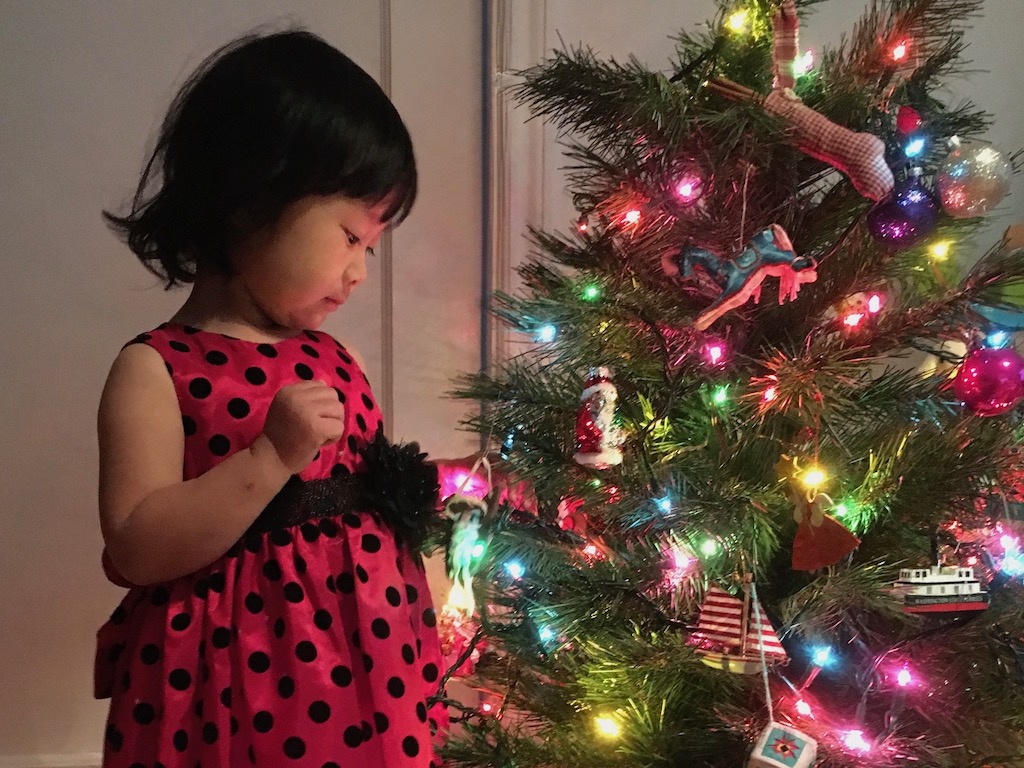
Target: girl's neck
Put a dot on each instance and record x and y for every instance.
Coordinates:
(217, 304)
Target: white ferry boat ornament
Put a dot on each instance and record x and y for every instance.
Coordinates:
(940, 589)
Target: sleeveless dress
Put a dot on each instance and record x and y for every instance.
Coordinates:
(311, 645)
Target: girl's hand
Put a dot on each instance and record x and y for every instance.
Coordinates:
(302, 419)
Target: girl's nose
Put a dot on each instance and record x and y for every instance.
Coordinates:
(356, 272)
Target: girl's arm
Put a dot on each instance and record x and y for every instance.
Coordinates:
(157, 527)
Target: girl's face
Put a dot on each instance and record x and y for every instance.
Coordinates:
(298, 271)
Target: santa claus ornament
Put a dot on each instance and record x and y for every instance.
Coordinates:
(597, 436)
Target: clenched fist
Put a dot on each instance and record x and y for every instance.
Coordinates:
(303, 418)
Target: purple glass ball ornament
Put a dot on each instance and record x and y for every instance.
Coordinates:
(908, 216)
(989, 381)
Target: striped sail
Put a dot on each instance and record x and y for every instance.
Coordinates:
(721, 628)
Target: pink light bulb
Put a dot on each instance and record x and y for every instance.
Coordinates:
(855, 740)
(875, 304)
(590, 550)
(689, 188)
(631, 217)
(904, 678)
(803, 708)
(769, 394)
(715, 353)
(853, 319)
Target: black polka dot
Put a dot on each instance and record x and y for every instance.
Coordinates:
(216, 581)
(219, 445)
(259, 661)
(328, 528)
(367, 662)
(198, 709)
(305, 651)
(150, 654)
(180, 740)
(407, 654)
(294, 747)
(160, 596)
(429, 618)
(351, 520)
(180, 622)
(343, 374)
(272, 570)
(293, 593)
(300, 563)
(282, 537)
(201, 589)
(352, 444)
(179, 679)
(216, 357)
(309, 350)
(267, 350)
(189, 425)
(238, 408)
(341, 676)
(322, 619)
(380, 628)
(346, 583)
(310, 532)
(143, 713)
(396, 687)
(179, 346)
(200, 388)
(410, 746)
(380, 720)
(225, 697)
(411, 594)
(370, 543)
(253, 603)
(279, 628)
(286, 687)
(367, 731)
(210, 733)
(255, 375)
(221, 637)
(303, 371)
(340, 470)
(330, 584)
(345, 358)
(319, 712)
(430, 672)
(393, 596)
(421, 711)
(357, 639)
(353, 736)
(262, 721)
(367, 402)
(361, 574)
(115, 738)
(361, 422)
(341, 395)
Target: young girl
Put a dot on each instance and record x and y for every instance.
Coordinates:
(273, 618)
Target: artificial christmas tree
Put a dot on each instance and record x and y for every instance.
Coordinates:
(783, 456)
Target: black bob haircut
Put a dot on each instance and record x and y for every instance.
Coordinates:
(264, 122)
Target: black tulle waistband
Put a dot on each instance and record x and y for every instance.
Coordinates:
(398, 483)
(300, 501)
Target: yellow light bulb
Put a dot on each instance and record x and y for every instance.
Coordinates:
(940, 250)
(737, 21)
(814, 477)
(607, 727)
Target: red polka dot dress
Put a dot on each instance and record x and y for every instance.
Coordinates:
(311, 644)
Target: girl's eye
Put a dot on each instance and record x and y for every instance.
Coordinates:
(352, 239)
(370, 252)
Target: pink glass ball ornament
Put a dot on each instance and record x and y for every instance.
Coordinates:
(989, 381)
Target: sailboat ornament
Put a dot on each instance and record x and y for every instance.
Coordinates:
(731, 634)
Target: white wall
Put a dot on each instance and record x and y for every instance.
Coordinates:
(83, 86)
